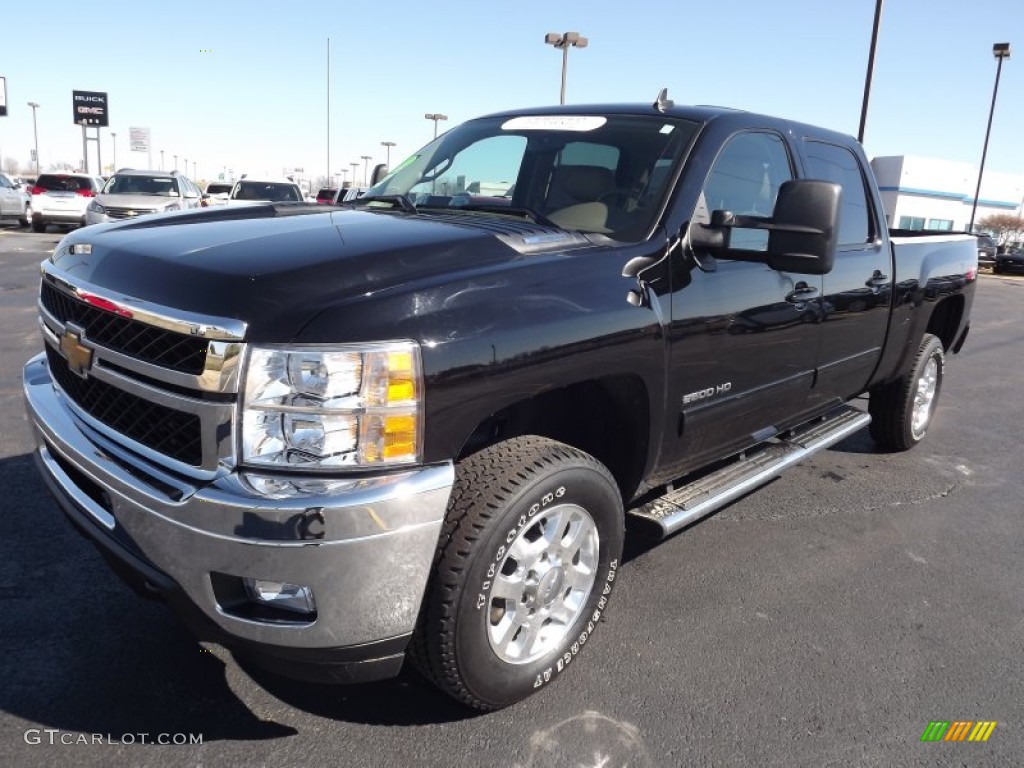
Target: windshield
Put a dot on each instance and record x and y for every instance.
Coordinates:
(162, 186)
(265, 190)
(605, 174)
(218, 189)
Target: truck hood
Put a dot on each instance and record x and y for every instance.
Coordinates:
(275, 267)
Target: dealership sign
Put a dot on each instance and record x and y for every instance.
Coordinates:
(90, 107)
(3, 96)
(139, 139)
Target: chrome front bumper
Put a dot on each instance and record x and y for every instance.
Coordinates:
(365, 546)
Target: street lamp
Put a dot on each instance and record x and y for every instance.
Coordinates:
(435, 116)
(185, 163)
(1000, 51)
(195, 173)
(175, 162)
(35, 133)
(569, 39)
(388, 145)
(113, 140)
(161, 159)
(354, 166)
(366, 164)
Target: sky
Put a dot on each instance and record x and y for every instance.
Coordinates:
(243, 86)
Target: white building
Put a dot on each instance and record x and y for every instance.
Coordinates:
(928, 193)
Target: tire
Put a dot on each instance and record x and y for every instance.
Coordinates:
(511, 603)
(997, 269)
(26, 219)
(902, 410)
(38, 225)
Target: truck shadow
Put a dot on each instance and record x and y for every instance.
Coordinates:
(83, 653)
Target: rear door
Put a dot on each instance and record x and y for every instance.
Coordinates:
(858, 291)
(9, 198)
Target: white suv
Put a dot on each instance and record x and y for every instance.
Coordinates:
(61, 198)
(14, 202)
(130, 193)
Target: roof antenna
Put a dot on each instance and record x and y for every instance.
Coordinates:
(663, 102)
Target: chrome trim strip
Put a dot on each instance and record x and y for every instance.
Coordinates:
(179, 321)
(101, 515)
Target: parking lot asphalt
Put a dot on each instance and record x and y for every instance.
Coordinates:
(825, 619)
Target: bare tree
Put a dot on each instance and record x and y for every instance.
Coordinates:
(1005, 227)
(10, 166)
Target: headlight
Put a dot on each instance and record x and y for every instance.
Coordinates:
(172, 207)
(96, 207)
(323, 407)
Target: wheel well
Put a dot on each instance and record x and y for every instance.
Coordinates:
(608, 418)
(945, 320)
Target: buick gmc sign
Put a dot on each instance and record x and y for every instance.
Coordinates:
(90, 106)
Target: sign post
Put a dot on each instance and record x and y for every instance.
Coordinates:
(91, 108)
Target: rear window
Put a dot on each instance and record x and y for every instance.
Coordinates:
(326, 194)
(218, 189)
(53, 182)
(262, 190)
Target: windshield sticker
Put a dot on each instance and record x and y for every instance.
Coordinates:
(554, 123)
(667, 129)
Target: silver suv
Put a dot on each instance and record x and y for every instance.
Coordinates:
(130, 193)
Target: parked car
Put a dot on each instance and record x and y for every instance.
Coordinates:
(987, 250)
(1009, 261)
(217, 192)
(250, 190)
(62, 198)
(15, 203)
(326, 195)
(349, 193)
(130, 193)
(339, 439)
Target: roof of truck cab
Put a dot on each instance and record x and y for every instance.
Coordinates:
(698, 113)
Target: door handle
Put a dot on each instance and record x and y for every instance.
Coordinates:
(877, 280)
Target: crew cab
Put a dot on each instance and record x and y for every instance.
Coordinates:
(413, 426)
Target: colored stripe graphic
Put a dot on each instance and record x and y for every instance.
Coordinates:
(958, 730)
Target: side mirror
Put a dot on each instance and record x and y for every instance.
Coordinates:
(805, 225)
(802, 229)
(379, 172)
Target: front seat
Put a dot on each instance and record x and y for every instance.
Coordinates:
(574, 197)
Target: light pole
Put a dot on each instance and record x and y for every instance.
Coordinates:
(175, 162)
(161, 159)
(388, 145)
(35, 132)
(1000, 51)
(871, 69)
(354, 166)
(569, 39)
(366, 165)
(194, 171)
(113, 140)
(185, 163)
(435, 116)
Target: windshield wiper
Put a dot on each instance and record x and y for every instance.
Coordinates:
(399, 201)
(510, 210)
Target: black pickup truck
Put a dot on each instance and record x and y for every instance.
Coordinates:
(414, 425)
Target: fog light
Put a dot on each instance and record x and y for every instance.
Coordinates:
(291, 597)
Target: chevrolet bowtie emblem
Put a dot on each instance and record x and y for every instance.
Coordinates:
(78, 355)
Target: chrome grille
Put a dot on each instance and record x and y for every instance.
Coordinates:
(161, 382)
(130, 337)
(165, 430)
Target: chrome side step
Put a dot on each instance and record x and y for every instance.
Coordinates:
(690, 502)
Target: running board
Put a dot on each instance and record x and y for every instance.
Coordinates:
(693, 501)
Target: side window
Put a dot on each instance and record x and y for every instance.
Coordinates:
(829, 162)
(745, 180)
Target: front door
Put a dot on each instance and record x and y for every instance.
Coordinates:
(743, 336)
